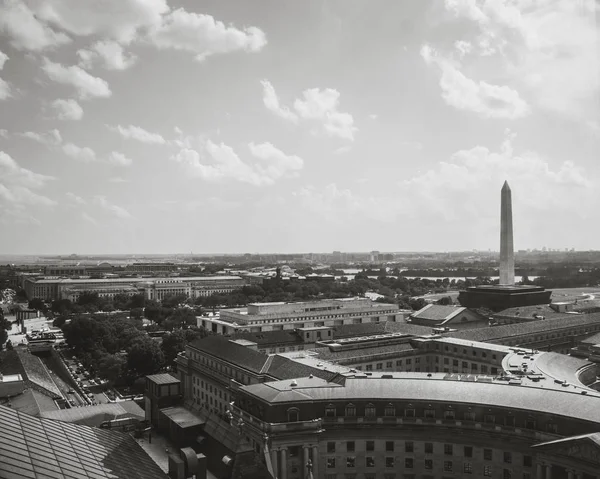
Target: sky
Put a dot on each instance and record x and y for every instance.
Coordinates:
(172, 126)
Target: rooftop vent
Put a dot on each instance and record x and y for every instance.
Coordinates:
(294, 383)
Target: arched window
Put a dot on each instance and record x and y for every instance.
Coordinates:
(330, 410)
(293, 414)
(390, 410)
(370, 410)
(351, 410)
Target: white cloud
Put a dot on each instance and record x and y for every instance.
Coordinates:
(463, 93)
(463, 47)
(342, 150)
(203, 35)
(67, 109)
(3, 133)
(119, 159)
(118, 179)
(87, 85)
(120, 20)
(132, 132)
(50, 138)
(271, 101)
(113, 209)
(25, 30)
(110, 54)
(373, 116)
(3, 59)
(84, 154)
(317, 106)
(17, 183)
(75, 199)
(225, 163)
(4, 86)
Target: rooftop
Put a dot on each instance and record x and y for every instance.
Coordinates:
(34, 447)
(163, 378)
(96, 415)
(437, 312)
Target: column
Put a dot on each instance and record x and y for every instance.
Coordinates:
(274, 462)
(283, 474)
(305, 462)
(548, 471)
(540, 472)
(570, 474)
(315, 461)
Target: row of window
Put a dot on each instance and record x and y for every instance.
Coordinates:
(467, 469)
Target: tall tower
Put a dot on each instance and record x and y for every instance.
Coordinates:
(507, 254)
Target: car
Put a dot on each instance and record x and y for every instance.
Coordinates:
(70, 391)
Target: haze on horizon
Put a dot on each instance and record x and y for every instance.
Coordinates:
(297, 126)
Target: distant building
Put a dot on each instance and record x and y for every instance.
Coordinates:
(455, 317)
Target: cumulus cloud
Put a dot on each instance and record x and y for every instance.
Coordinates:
(203, 36)
(119, 159)
(17, 183)
(87, 86)
(50, 138)
(75, 199)
(4, 86)
(132, 132)
(26, 32)
(316, 106)
(84, 154)
(67, 109)
(109, 54)
(463, 93)
(115, 210)
(224, 163)
(3, 133)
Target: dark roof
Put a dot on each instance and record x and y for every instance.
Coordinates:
(365, 329)
(248, 465)
(282, 367)
(222, 348)
(33, 403)
(34, 447)
(505, 331)
(163, 378)
(31, 368)
(362, 353)
(286, 336)
(527, 312)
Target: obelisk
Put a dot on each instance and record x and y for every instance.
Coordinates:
(507, 254)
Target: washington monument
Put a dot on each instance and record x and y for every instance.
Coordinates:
(507, 254)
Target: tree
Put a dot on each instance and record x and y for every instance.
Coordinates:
(172, 344)
(444, 301)
(111, 367)
(37, 303)
(5, 327)
(145, 357)
(417, 303)
(61, 306)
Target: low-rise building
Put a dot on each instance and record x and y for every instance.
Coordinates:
(442, 316)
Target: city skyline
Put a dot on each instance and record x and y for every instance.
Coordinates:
(296, 127)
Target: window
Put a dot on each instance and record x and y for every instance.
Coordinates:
(446, 361)
(409, 463)
(370, 410)
(388, 364)
(487, 471)
(552, 427)
(330, 462)
(489, 419)
(506, 474)
(448, 449)
(350, 410)
(389, 462)
(468, 451)
(430, 413)
(330, 410)
(530, 423)
(369, 367)
(350, 461)
(428, 464)
(293, 414)
(370, 446)
(527, 461)
(465, 365)
(455, 362)
(447, 466)
(449, 415)
(349, 446)
(484, 369)
(417, 360)
(409, 412)
(428, 448)
(468, 468)
(487, 454)
(389, 446)
(389, 410)
(330, 447)
(379, 366)
(399, 362)
(469, 416)
(409, 446)
(507, 457)
(370, 461)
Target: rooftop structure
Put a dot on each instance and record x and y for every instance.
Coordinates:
(435, 315)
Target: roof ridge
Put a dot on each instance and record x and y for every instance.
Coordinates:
(267, 364)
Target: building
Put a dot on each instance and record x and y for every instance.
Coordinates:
(439, 316)
(50, 289)
(260, 317)
(417, 425)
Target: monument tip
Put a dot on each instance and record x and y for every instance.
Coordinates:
(505, 185)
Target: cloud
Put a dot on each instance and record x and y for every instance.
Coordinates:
(342, 150)
(85, 154)
(113, 209)
(373, 116)
(17, 183)
(548, 49)
(50, 138)
(271, 101)
(118, 179)
(25, 30)
(75, 199)
(203, 36)
(272, 163)
(108, 53)
(3, 133)
(4, 86)
(86, 85)
(132, 132)
(119, 159)
(463, 93)
(67, 109)
(86, 217)
(316, 106)
(3, 59)
(120, 20)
